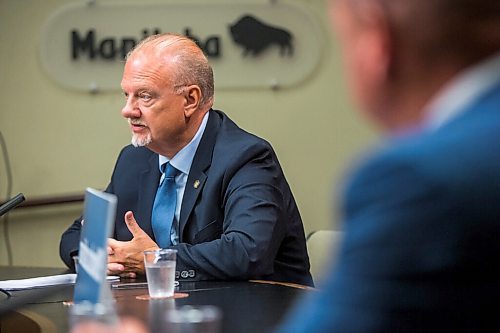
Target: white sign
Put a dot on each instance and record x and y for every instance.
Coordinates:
(268, 45)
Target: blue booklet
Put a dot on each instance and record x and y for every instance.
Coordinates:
(98, 216)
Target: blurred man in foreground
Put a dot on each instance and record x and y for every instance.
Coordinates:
(422, 216)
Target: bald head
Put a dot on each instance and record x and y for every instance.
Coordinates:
(189, 64)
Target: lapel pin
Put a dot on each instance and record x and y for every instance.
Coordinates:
(196, 183)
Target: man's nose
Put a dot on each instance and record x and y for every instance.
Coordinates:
(131, 109)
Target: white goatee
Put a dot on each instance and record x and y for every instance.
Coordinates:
(141, 141)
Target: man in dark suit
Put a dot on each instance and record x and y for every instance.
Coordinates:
(421, 251)
(234, 215)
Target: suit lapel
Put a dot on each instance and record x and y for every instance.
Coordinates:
(148, 184)
(197, 174)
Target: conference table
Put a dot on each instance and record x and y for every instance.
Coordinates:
(246, 306)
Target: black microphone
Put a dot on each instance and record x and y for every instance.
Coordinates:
(9, 204)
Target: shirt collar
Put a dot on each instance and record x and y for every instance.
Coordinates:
(184, 158)
(461, 92)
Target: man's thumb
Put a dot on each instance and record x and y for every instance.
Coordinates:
(132, 225)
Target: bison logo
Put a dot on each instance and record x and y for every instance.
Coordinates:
(255, 36)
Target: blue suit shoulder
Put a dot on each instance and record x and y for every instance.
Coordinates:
(235, 148)
(460, 152)
(236, 136)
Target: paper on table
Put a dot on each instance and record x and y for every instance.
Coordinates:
(43, 281)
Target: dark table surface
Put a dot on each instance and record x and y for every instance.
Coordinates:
(250, 306)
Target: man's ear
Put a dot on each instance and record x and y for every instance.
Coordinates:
(192, 97)
(377, 40)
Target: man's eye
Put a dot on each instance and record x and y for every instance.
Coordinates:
(145, 97)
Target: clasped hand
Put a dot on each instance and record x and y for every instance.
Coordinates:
(126, 258)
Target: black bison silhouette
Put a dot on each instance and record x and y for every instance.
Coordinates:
(256, 36)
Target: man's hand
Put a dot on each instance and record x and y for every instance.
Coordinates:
(127, 258)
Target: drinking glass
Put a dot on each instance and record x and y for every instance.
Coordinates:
(160, 272)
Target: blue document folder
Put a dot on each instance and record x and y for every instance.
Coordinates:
(98, 216)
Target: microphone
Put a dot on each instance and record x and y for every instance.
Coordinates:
(12, 203)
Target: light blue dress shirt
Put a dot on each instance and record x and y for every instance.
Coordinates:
(182, 161)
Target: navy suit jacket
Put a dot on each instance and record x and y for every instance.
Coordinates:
(241, 222)
(422, 236)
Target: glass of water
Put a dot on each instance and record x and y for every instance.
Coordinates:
(160, 272)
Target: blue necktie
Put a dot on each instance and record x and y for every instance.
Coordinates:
(163, 214)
